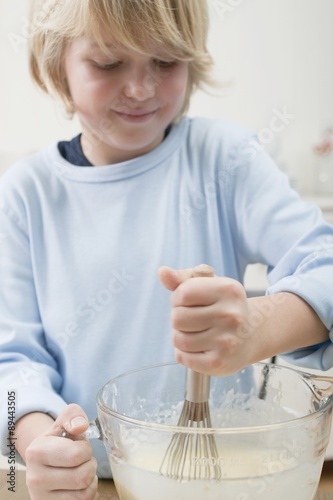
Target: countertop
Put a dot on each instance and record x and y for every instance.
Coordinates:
(107, 490)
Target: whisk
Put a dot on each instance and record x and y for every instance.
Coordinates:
(194, 455)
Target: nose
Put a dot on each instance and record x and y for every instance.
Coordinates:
(140, 84)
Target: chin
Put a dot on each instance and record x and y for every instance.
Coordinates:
(134, 143)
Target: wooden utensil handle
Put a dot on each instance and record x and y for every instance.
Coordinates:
(203, 271)
(198, 384)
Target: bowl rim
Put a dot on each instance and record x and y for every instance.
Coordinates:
(295, 422)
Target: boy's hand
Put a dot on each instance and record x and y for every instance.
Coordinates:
(59, 468)
(210, 322)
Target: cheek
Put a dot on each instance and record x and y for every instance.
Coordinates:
(91, 93)
(177, 86)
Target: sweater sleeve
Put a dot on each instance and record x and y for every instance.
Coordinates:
(274, 226)
(27, 367)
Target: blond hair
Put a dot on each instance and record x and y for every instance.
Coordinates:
(180, 26)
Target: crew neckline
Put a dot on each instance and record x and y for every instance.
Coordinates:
(122, 170)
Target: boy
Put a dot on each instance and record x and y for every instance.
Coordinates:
(89, 222)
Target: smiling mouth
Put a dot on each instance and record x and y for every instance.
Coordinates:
(136, 116)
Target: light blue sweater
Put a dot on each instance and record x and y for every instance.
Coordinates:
(80, 301)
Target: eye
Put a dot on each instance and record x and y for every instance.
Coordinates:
(165, 64)
(106, 67)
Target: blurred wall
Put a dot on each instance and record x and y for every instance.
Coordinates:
(276, 56)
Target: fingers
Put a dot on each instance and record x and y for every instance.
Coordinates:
(192, 342)
(172, 278)
(225, 317)
(46, 482)
(62, 468)
(191, 290)
(89, 493)
(212, 362)
(207, 291)
(53, 451)
(52, 479)
(207, 341)
(209, 318)
(73, 419)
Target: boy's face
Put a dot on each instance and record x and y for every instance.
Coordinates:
(124, 100)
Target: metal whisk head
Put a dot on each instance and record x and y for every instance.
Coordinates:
(193, 455)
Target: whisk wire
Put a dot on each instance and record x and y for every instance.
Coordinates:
(192, 455)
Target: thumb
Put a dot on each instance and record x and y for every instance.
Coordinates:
(72, 419)
(172, 278)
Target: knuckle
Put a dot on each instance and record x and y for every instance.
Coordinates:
(176, 318)
(235, 320)
(229, 344)
(233, 289)
(182, 295)
(32, 454)
(215, 362)
(181, 341)
(84, 495)
(175, 335)
(94, 465)
(220, 315)
(33, 480)
(231, 318)
(85, 479)
(178, 356)
(75, 456)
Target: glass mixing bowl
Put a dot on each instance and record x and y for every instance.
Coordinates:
(271, 426)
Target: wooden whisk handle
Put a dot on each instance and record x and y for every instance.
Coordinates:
(203, 271)
(198, 384)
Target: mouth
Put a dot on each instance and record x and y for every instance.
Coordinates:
(136, 116)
